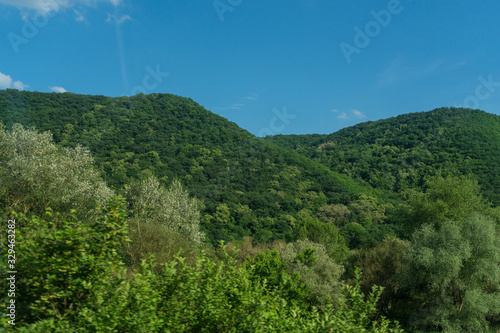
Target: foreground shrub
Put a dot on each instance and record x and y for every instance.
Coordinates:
(74, 281)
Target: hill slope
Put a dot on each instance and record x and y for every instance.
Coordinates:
(249, 186)
(401, 152)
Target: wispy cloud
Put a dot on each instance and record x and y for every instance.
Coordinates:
(392, 73)
(47, 6)
(358, 114)
(343, 115)
(252, 97)
(113, 19)
(79, 15)
(6, 81)
(399, 70)
(231, 107)
(57, 89)
(335, 110)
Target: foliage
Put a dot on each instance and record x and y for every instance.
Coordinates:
(451, 275)
(445, 198)
(335, 214)
(380, 266)
(296, 208)
(173, 209)
(63, 260)
(356, 314)
(35, 174)
(268, 268)
(73, 281)
(220, 297)
(170, 137)
(247, 248)
(326, 234)
(316, 269)
(403, 152)
(156, 239)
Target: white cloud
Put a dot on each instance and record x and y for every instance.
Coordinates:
(121, 20)
(335, 110)
(20, 86)
(343, 115)
(47, 6)
(58, 89)
(7, 82)
(358, 114)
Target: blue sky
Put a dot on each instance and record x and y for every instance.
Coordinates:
(289, 67)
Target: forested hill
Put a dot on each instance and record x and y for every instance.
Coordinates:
(403, 151)
(248, 186)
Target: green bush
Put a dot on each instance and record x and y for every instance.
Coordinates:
(317, 270)
(62, 261)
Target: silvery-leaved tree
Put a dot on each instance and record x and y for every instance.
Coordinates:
(450, 279)
(172, 208)
(36, 174)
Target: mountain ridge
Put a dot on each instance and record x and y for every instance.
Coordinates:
(443, 139)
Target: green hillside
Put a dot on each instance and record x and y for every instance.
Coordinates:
(402, 152)
(377, 227)
(248, 185)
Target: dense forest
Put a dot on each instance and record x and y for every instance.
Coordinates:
(151, 214)
(403, 152)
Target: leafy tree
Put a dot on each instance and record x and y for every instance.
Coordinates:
(153, 238)
(357, 312)
(445, 198)
(36, 174)
(333, 214)
(326, 234)
(268, 268)
(317, 270)
(451, 275)
(368, 210)
(173, 209)
(380, 265)
(355, 235)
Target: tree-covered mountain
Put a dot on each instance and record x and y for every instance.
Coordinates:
(403, 152)
(248, 186)
(84, 246)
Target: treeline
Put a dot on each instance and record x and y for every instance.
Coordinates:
(84, 253)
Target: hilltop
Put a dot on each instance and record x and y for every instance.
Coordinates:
(398, 153)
